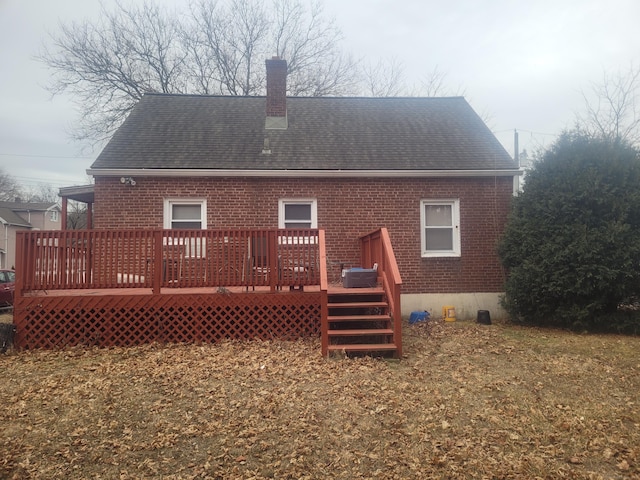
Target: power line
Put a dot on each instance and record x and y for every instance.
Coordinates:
(33, 180)
(42, 156)
(531, 132)
(503, 131)
(538, 133)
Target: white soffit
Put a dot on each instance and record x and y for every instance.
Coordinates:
(170, 172)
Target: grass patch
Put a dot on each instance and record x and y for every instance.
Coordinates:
(468, 401)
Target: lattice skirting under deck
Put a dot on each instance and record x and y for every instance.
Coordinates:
(126, 320)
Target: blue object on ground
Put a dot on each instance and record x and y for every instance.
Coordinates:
(416, 317)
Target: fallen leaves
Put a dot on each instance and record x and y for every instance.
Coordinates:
(468, 401)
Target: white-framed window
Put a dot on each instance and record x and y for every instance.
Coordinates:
(298, 213)
(54, 215)
(185, 213)
(440, 228)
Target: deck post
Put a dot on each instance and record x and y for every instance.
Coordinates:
(272, 249)
(63, 220)
(90, 244)
(157, 261)
(89, 218)
(21, 263)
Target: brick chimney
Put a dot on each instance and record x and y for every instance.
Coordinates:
(276, 94)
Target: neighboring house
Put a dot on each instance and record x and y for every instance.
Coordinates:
(15, 216)
(427, 169)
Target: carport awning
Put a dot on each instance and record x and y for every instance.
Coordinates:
(79, 193)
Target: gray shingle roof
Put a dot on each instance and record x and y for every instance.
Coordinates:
(9, 216)
(214, 132)
(29, 206)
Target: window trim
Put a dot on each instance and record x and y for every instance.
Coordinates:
(195, 249)
(456, 251)
(298, 201)
(169, 202)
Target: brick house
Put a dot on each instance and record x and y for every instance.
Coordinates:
(427, 169)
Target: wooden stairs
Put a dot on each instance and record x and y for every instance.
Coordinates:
(359, 321)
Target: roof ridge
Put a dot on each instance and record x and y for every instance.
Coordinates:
(300, 97)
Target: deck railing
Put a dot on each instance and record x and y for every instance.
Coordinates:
(99, 259)
(375, 248)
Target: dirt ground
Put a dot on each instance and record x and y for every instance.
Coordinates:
(467, 401)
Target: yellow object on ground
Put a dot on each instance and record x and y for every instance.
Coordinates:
(449, 313)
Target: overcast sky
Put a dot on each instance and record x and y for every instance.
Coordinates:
(521, 65)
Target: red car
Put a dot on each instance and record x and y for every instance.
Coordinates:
(7, 287)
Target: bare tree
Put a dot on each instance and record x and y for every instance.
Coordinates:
(218, 47)
(384, 79)
(42, 193)
(107, 66)
(612, 107)
(229, 42)
(435, 84)
(309, 42)
(76, 215)
(387, 79)
(224, 43)
(9, 188)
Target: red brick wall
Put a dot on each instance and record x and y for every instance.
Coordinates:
(347, 208)
(276, 87)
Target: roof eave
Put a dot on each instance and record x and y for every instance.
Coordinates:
(9, 223)
(178, 172)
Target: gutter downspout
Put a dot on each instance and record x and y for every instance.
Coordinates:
(516, 157)
(6, 244)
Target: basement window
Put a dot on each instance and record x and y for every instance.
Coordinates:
(440, 228)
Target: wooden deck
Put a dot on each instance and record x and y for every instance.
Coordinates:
(208, 286)
(126, 317)
(132, 316)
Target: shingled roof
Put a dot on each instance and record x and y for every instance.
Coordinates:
(9, 211)
(221, 132)
(29, 206)
(8, 216)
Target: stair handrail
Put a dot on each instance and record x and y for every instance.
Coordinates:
(324, 294)
(376, 248)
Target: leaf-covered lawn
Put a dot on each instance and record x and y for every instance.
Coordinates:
(468, 401)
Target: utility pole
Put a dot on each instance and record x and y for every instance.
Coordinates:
(516, 148)
(516, 157)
